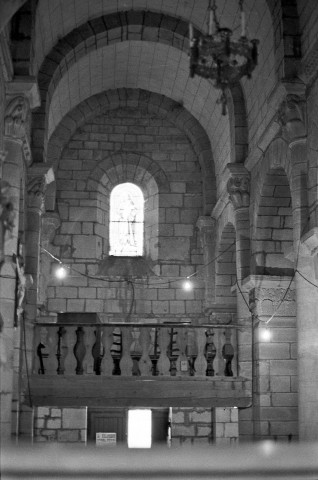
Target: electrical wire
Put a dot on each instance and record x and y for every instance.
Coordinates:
(166, 282)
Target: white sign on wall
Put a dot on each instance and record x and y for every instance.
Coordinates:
(105, 439)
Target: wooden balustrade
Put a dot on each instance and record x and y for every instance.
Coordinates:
(135, 350)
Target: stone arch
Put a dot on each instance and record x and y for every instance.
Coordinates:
(281, 209)
(292, 159)
(153, 103)
(78, 42)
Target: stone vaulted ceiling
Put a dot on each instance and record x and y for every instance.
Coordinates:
(83, 48)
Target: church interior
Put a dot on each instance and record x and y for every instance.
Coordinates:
(158, 221)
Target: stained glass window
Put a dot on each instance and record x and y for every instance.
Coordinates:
(126, 227)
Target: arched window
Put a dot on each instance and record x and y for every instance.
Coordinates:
(126, 228)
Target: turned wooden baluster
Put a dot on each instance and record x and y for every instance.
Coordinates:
(228, 353)
(80, 350)
(154, 350)
(126, 362)
(200, 362)
(210, 352)
(98, 350)
(182, 362)
(62, 350)
(70, 360)
(163, 364)
(191, 350)
(89, 340)
(52, 344)
(36, 359)
(174, 351)
(135, 351)
(145, 364)
(107, 364)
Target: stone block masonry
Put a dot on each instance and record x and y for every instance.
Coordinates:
(129, 145)
(60, 425)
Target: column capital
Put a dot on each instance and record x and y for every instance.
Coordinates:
(309, 243)
(238, 185)
(17, 118)
(38, 179)
(26, 87)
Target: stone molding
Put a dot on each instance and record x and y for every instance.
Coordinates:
(266, 281)
(238, 185)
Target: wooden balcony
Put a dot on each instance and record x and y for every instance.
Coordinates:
(137, 365)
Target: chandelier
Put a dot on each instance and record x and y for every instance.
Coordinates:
(218, 57)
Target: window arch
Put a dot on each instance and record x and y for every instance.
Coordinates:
(126, 221)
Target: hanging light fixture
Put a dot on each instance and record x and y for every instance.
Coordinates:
(218, 57)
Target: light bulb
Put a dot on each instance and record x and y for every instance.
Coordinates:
(61, 272)
(187, 285)
(265, 334)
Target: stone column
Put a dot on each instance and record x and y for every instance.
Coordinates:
(39, 176)
(274, 368)
(206, 227)
(307, 314)
(238, 187)
(21, 96)
(12, 178)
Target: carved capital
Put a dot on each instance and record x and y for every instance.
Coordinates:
(36, 189)
(291, 116)
(39, 179)
(238, 186)
(16, 120)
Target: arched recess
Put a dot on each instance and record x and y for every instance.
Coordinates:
(292, 160)
(226, 267)
(136, 169)
(152, 103)
(274, 227)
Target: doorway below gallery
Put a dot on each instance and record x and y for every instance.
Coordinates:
(133, 427)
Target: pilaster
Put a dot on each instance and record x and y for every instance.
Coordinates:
(307, 313)
(206, 226)
(238, 187)
(271, 300)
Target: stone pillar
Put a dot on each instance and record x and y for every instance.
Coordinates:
(39, 176)
(274, 368)
(238, 187)
(307, 314)
(206, 227)
(22, 95)
(16, 119)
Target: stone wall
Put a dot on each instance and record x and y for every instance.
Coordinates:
(61, 425)
(191, 426)
(154, 154)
